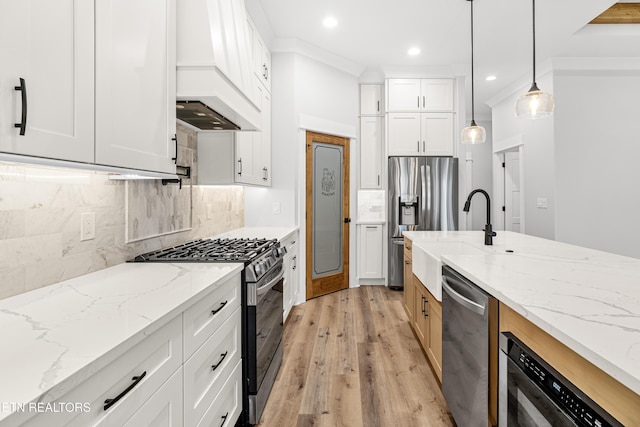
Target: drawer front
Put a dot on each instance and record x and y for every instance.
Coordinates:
(210, 366)
(226, 408)
(164, 408)
(203, 318)
(290, 242)
(158, 356)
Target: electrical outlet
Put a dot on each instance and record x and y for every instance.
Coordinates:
(276, 207)
(87, 226)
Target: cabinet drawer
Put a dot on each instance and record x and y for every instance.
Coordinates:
(203, 318)
(226, 408)
(209, 367)
(163, 408)
(158, 356)
(291, 242)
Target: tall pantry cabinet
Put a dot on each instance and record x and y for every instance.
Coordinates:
(370, 233)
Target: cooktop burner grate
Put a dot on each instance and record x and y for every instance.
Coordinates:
(235, 250)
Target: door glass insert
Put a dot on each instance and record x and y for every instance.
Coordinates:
(327, 209)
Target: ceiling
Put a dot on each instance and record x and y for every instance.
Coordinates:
(376, 34)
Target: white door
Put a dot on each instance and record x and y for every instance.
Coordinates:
(49, 44)
(136, 84)
(404, 94)
(404, 134)
(512, 191)
(371, 152)
(437, 94)
(437, 134)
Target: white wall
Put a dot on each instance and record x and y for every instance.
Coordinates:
(597, 147)
(539, 159)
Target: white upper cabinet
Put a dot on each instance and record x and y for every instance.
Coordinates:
(135, 84)
(48, 44)
(420, 95)
(371, 152)
(420, 134)
(261, 56)
(371, 100)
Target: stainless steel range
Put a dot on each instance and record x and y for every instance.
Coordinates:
(262, 305)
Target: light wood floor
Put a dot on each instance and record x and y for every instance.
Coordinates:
(351, 359)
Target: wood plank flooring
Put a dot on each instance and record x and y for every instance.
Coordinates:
(351, 359)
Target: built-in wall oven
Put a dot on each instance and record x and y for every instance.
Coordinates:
(262, 306)
(533, 394)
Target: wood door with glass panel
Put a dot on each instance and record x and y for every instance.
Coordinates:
(327, 221)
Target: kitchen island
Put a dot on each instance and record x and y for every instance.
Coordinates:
(587, 300)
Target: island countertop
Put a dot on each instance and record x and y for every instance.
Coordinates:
(587, 299)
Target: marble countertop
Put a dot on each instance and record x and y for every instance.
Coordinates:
(60, 334)
(587, 299)
(279, 233)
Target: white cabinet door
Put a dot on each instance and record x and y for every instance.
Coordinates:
(265, 139)
(164, 408)
(437, 94)
(371, 100)
(437, 134)
(246, 169)
(135, 84)
(370, 250)
(371, 152)
(404, 134)
(291, 273)
(404, 95)
(50, 45)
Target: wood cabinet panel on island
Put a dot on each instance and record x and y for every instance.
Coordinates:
(424, 312)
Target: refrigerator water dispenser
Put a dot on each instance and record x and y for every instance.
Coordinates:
(408, 214)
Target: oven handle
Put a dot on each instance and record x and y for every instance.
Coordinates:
(263, 289)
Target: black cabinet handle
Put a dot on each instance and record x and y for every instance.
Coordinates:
(378, 106)
(240, 168)
(223, 355)
(108, 403)
(224, 419)
(175, 139)
(23, 121)
(222, 304)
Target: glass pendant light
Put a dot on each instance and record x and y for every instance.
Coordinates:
(536, 103)
(473, 134)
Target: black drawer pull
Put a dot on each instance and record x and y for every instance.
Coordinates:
(222, 304)
(23, 122)
(223, 355)
(224, 419)
(108, 403)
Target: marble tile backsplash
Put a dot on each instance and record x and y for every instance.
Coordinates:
(40, 211)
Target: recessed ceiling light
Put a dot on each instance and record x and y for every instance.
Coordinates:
(330, 22)
(490, 78)
(201, 114)
(414, 51)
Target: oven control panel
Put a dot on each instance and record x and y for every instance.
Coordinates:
(584, 411)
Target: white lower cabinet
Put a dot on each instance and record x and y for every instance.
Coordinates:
(291, 273)
(164, 408)
(188, 372)
(227, 405)
(119, 389)
(209, 368)
(370, 241)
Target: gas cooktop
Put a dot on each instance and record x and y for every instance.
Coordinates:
(211, 250)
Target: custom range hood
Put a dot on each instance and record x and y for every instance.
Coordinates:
(214, 68)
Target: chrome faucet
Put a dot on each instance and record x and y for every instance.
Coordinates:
(488, 232)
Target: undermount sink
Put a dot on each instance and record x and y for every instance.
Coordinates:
(427, 264)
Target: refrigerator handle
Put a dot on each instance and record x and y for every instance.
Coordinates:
(426, 194)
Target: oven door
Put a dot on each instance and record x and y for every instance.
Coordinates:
(264, 338)
(522, 403)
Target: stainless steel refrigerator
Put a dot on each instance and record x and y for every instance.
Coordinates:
(423, 195)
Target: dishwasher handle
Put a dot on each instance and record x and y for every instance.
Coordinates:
(462, 300)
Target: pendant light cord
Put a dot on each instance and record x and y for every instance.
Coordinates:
(473, 114)
(534, 41)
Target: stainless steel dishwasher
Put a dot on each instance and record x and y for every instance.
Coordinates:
(465, 349)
